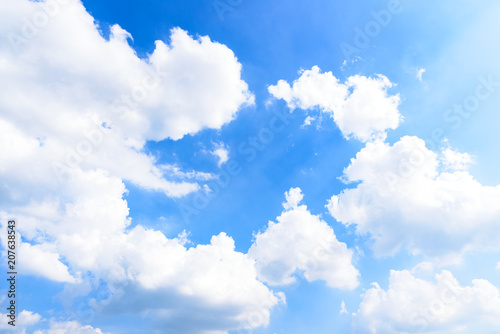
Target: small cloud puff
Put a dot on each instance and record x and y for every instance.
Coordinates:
(302, 241)
(420, 72)
(361, 106)
(221, 152)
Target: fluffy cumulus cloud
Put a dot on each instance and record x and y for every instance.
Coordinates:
(87, 102)
(182, 289)
(44, 261)
(85, 229)
(221, 152)
(186, 289)
(453, 160)
(31, 320)
(24, 320)
(150, 98)
(361, 106)
(410, 197)
(300, 241)
(440, 305)
(77, 110)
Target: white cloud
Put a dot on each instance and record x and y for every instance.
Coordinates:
(69, 327)
(420, 72)
(95, 107)
(175, 172)
(308, 121)
(404, 201)
(423, 268)
(87, 113)
(312, 89)
(293, 197)
(441, 306)
(140, 265)
(302, 241)
(186, 289)
(24, 320)
(453, 160)
(90, 235)
(183, 87)
(221, 153)
(343, 310)
(28, 319)
(145, 271)
(361, 106)
(44, 262)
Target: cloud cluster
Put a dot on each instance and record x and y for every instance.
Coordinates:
(25, 319)
(186, 289)
(143, 270)
(73, 99)
(28, 319)
(410, 197)
(361, 106)
(300, 241)
(77, 109)
(415, 305)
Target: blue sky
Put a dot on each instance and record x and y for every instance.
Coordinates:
(260, 178)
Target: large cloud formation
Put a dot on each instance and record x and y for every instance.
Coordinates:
(361, 107)
(77, 100)
(416, 305)
(412, 198)
(302, 241)
(77, 110)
